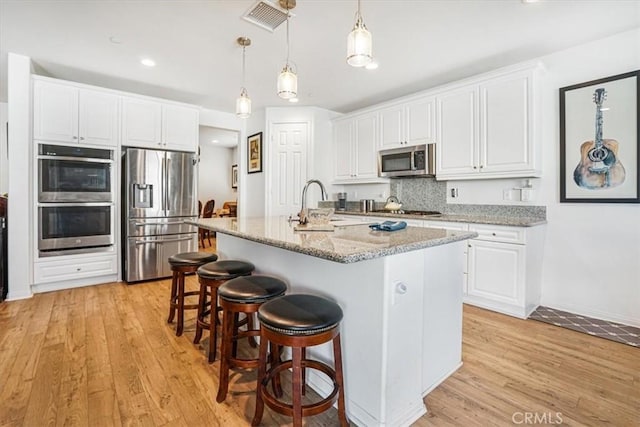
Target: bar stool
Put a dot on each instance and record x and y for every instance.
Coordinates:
(242, 295)
(299, 321)
(211, 276)
(181, 264)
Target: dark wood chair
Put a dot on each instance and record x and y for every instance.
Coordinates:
(207, 212)
(230, 208)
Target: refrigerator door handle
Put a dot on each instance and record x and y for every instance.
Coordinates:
(144, 224)
(144, 242)
(163, 184)
(166, 192)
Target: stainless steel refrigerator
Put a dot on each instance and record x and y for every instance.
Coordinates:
(158, 195)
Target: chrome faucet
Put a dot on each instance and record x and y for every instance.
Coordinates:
(303, 210)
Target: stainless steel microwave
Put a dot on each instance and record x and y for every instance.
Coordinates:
(416, 160)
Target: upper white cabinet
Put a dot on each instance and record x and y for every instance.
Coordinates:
(66, 113)
(409, 123)
(151, 124)
(356, 149)
(486, 129)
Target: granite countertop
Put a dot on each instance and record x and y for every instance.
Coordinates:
(346, 244)
(475, 219)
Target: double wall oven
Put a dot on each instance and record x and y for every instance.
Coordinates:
(76, 204)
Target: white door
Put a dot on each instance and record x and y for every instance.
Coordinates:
(289, 162)
(421, 121)
(496, 271)
(98, 118)
(343, 149)
(391, 127)
(180, 127)
(55, 112)
(141, 123)
(366, 148)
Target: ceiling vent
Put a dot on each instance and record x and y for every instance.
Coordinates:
(266, 14)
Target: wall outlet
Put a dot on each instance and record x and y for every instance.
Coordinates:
(454, 193)
(526, 194)
(506, 194)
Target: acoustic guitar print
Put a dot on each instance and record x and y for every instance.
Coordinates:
(599, 165)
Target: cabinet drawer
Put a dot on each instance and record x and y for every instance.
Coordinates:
(55, 271)
(459, 226)
(496, 233)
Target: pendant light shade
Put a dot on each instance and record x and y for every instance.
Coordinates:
(287, 83)
(359, 43)
(243, 103)
(287, 79)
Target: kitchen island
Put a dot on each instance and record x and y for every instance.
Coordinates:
(401, 294)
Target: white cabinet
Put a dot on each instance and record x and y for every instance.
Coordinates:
(356, 150)
(151, 124)
(457, 132)
(71, 268)
(486, 129)
(409, 123)
(504, 265)
(65, 113)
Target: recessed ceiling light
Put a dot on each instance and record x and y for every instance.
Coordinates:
(529, 1)
(215, 141)
(294, 100)
(148, 62)
(371, 65)
(115, 40)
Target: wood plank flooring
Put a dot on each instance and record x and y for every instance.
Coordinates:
(105, 356)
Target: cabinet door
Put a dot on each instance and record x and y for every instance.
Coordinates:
(391, 127)
(55, 112)
(496, 271)
(457, 132)
(421, 121)
(180, 127)
(343, 149)
(366, 146)
(141, 123)
(98, 115)
(505, 134)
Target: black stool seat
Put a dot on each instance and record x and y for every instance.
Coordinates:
(252, 289)
(192, 258)
(225, 269)
(300, 314)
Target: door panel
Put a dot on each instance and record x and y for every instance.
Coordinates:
(147, 257)
(144, 183)
(181, 174)
(289, 154)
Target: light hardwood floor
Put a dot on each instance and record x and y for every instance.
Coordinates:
(104, 355)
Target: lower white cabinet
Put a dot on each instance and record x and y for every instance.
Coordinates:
(504, 268)
(70, 268)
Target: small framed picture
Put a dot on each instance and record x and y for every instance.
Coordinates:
(234, 176)
(254, 153)
(599, 140)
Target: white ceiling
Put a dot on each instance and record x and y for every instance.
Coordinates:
(418, 43)
(218, 137)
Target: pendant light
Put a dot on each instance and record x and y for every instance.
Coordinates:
(359, 43)
(243, 103)
(287, 80)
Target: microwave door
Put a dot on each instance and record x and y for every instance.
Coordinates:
(181, 172)
(144, 172)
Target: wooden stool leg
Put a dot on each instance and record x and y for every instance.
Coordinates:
(304, 372)
(296, 378)
(174, 293)
(274, 360)
(337, 356)
(234, 343)
(251, 326)
(262, 373)
(213, 324)
(225, 353)
(202, 306)
(180, 325)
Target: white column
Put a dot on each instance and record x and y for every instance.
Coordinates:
(20, 217)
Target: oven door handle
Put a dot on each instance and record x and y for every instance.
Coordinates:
(144, 242)
(78, 159)
(74, 204)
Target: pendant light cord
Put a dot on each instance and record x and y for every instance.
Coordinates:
(243, 67)
(288, 48)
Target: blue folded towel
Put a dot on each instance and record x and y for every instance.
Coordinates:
(389, 226)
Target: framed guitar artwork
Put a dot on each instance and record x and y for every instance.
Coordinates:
(599, 140)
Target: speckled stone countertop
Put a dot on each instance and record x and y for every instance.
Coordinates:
(346, 244)
(475, 219)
